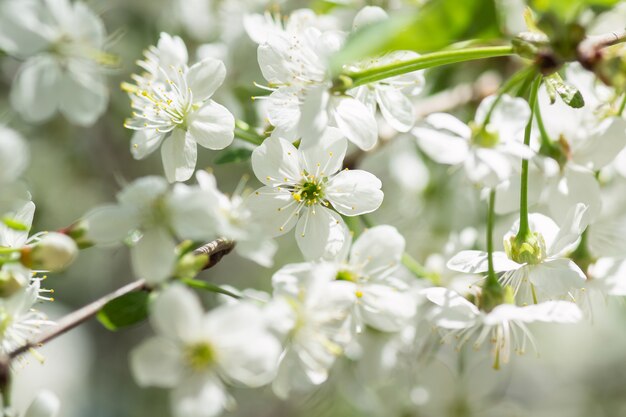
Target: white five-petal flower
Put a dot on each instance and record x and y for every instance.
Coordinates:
(149, 213)
(538, 269)
(196, 353)
(505, 326)
(173, 108)
(305, 188)
(489, 148)
(63, 45)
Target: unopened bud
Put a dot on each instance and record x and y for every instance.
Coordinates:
(54, 252)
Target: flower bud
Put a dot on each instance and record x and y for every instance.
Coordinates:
(54, 252)
(45, 404)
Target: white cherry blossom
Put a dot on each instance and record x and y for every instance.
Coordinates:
(311, 310)
(233, 218)
(382, 300)
(306, 189)
(489, 153)
(505, 327)
(62, 43)
(148, 214)
(173, 108)
(537, 269)
(196, 353)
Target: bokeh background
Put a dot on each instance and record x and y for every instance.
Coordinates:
(581, 370)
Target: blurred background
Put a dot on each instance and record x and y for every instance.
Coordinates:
(581, 370)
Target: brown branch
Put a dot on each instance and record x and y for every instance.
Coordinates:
(590, 50)
(215, 251)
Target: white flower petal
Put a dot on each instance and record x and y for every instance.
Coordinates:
(83, 95)
(575, 223)
(231, 328)
(451, 310)
(320, 233)
(368, 15)
(258, 250)
(177, 314)
(36, 90)
(576, 185)
(325, 158)
(354, 192)
(355, 120)
(179, 153)
(205, 77)
(475, 262)
(508, 118)
(212, 126)
(157, 362)
(386, 308)
(276, 161)
(557, 277)
(199, 396)
(14, 155)
(314, 117)
(396, 108)
(602, 146)
(142, 192)
(45, 404)
(111, 224)
(144, 142)
(13, 238)
(274, 210)
(153, 257)
(379, 249)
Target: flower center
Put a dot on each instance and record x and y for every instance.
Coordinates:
(483, 136)
(310, 191)
(531, 250)
(345, 275)
(200, 356)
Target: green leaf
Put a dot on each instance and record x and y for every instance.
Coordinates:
(125, 311)
(207, 286)
(568, 93)
(15, 225)
(233, 155)
(568, 10)
(436, 25)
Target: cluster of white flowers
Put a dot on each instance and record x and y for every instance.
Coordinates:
(355, 296)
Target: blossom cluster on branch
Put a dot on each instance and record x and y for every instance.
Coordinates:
(546, 153)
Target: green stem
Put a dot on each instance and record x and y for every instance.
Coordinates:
(202, 285)
(492, 293)
(622, 106)
(418, 269)
(491, 274)
(243, 131)
(517, 78)
(524, 228)
(545, 139)
(434, 59)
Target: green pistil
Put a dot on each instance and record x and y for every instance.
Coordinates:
(310, 192)
(482, 136)
(346, 276)
(529, 250)
(200, 356)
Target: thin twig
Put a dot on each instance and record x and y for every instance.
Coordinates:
(215, 250)
(590, 50)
